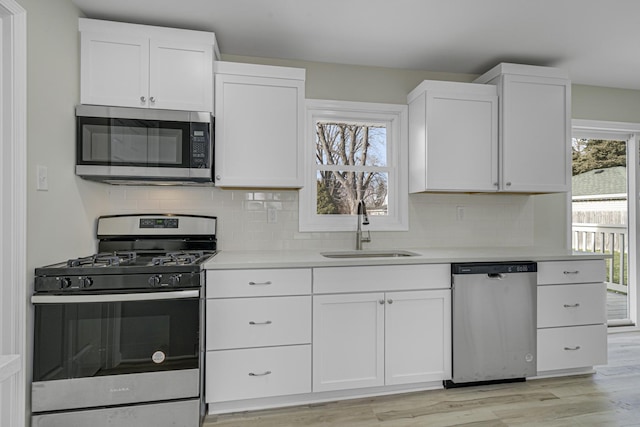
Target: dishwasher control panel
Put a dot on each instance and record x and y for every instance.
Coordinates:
(494, 268)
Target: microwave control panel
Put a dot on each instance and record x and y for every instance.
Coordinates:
(200, 143)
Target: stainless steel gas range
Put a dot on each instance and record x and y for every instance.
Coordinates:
(118, 336)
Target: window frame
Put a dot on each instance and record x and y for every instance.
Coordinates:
(631, 132)
(396, 118)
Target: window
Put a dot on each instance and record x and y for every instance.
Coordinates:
(354, 151)
(603, 207)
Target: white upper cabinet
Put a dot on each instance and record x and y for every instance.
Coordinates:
(259, 126)
(535, 127)
(453, 137)
(131, 65)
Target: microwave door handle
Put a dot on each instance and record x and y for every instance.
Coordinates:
(146, 296)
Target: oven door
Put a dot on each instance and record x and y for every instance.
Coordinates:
(101, 350)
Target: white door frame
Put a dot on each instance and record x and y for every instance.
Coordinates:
(13, 206)
(632, 131)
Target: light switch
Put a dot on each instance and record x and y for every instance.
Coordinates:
(42, 178)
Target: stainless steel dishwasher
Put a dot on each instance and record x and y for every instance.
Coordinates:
(494, 322)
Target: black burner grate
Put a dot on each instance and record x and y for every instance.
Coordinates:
(103, 260)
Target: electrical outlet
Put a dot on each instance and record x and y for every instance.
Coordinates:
(272, 216)
(460, 213)
(42, 178)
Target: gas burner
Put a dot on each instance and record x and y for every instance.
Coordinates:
(178, 258)
(103, 260)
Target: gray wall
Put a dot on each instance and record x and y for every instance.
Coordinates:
(61, 220)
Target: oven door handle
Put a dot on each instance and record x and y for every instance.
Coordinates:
(145, 296)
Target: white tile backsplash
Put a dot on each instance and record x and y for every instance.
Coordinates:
(487, 220)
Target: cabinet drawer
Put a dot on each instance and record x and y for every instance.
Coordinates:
(562, 272)
(259, 282)
(572, 347)
(382, 278)
(258, 322)
(572, 305)
(257, 372)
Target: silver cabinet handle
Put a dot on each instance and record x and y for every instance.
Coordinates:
(143, 99)
(381, 302)
(152, 99)
(267, 283)
(268, 322)
(572, 272)
(572, 348)
(218, 177)
(576, 305)
(508, 184)
(251, 374)
(390, 301)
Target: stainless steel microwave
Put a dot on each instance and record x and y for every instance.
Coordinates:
(121, 145)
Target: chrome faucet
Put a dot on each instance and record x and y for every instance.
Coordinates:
(363, 219)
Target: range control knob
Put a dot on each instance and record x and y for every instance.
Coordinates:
(154, 281)
(65, 282)
(86, 282)
(174, 280)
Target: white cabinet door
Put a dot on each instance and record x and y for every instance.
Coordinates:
(181, 75)
(417, 336)
(259, 122)
(115, 69)
(132, 65)
(453, 137)
(535, 134)
(348, 341)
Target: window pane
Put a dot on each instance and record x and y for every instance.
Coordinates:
(353, 144)
(339, 192)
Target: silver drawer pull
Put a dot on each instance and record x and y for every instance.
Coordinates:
(572, 348)
(572, 272)
(251, 374)
(260, 283)
(576, 305)
(268, 322)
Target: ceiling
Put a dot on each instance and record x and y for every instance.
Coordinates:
(597, 41)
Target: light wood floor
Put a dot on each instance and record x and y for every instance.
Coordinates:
(611, 397)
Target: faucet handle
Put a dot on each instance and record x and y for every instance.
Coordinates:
(362, 210)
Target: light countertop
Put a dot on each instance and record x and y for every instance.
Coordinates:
(313, 258)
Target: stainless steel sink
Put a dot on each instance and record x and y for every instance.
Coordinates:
(369, 254)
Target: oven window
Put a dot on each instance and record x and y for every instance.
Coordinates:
(133, 142)
(95, 339)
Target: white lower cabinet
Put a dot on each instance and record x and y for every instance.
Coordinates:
(348, 341)
(417, 336)
(258, 334)
(257, 372)
(574, 347)
(572, 323)
(375, 339)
